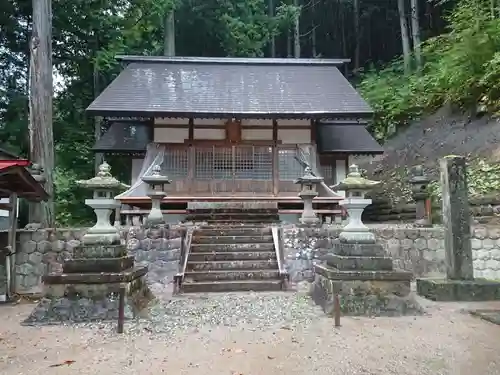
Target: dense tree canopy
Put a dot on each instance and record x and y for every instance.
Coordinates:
(458, 63)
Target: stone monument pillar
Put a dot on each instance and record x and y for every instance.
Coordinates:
(309, 184)
(156, 184)
(89, 285)
(357, 267)
(35, 208)
(456, 218)
(419, 183)
(460, 284)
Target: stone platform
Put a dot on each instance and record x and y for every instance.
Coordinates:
(364, 293)
(364, 278)
(459, 290)
(89, 287)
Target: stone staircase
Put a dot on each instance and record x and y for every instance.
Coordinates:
(232, 250)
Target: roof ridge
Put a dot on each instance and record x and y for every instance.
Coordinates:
(231, 60)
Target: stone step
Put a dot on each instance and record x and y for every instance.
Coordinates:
(191, 276)
(247, 221)
(231, 207)
(231, 247)
(234, 255)
(241, 216)
(232, 231)
(233, 265)
(232, 286)
(231, 239)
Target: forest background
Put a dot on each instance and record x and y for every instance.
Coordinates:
(408, 59)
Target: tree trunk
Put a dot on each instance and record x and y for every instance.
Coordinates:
(289, 43)
(270, 12)
(404, 36)
(169, 37)
(415, 32)
(342, 31)
(313, 30)
(98, 156)
(357, 48)
(41, 92)
(296, 32)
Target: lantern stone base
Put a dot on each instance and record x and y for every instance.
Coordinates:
(364, 278)
(95, 298)
(89, 287)
(364, 293)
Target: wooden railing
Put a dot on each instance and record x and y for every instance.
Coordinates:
(279, 248)
(185, 250)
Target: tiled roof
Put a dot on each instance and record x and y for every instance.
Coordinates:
(231, 87)
(124, 137)
(346, 138)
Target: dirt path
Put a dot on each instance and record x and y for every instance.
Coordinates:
(255, 334)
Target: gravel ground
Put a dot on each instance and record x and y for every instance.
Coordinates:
(261, 334)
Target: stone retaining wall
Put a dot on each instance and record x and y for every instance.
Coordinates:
(42, 251)
(420, 250)
(484, 210)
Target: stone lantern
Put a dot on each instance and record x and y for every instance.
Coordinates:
(156, 184)
(355, 202)
(419, 183)
(309, 184)
(105, 187)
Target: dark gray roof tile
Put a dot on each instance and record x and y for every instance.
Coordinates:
(124, 137)
(346, 138)
(207, 89)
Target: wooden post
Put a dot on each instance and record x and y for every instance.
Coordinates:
(40, 100)
(336, 309)
(121, 310)
(428, 210)
(12, 241)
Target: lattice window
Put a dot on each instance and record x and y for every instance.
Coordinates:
(203, 163)
(328, 173)
(289, 167)
(253, 163)
(222, 165)
(175, 163)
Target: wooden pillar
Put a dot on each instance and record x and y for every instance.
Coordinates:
(12, 242)
(276, 177)
(191, 158)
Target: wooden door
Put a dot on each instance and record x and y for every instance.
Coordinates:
(233, 131)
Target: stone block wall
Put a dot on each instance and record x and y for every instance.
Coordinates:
(484, 210)
(419, 250)
(485, 244)
(42, 251)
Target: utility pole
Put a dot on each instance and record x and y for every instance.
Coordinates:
(40, 100)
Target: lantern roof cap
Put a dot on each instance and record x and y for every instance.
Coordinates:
(418, 176)
(103, 180)
(156, 177)
(354, 181)
(308, 177)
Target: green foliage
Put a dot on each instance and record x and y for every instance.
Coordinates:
(70, 209)
(483, 178)
(461, 69)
